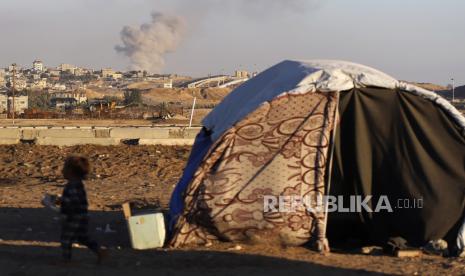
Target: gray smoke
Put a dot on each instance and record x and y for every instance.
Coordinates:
(147, 45)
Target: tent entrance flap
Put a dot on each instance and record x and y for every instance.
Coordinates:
(402, 146)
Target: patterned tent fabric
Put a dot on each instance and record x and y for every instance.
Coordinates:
(280, 149)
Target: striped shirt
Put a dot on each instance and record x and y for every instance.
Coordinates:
(74, 200)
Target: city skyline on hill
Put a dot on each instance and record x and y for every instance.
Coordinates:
(415, 40)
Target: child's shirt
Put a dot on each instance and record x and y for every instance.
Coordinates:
(74, 200)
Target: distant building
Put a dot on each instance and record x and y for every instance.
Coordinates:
(78, 71)
(54, 72)
(241, 74)
(2, 78)
(67, 99)
(63, 103)
(106, 73)
(36, 77)
(38, 66)
(59, 87)
(21, 103)
(117, 76)
(168, 84)
(164, 83)
(134, 74)
(20, 83)
(39, 84)
(67, 68)
(3, 103)
(6, 103)
(158, 82)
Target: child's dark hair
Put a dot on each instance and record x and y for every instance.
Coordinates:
(77, 165)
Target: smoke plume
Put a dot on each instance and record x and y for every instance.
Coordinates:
(147, 45)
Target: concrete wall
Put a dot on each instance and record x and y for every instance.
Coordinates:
(9, 136)
(68, 136)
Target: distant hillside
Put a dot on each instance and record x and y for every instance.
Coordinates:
(185, 96)
(151, 84)
(94, 92)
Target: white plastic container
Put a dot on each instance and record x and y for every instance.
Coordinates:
(147, 231)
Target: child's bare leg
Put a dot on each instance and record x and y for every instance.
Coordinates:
(92, 245)
(66, 246)
(67, 237)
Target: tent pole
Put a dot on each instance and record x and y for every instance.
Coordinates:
(324, 248)
(192, 112)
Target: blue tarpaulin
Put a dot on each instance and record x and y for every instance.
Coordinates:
(199, 150)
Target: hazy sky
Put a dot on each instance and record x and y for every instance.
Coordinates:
(418, 40)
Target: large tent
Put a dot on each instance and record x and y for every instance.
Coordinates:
(314, 128)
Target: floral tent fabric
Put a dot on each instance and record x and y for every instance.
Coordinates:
(280, 149)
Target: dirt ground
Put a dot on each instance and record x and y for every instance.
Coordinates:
(145, 176)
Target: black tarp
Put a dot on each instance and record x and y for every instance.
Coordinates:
(401, 145)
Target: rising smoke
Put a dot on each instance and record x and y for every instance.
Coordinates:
(147, 45)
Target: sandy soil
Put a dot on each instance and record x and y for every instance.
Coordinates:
(94, 92)
(205, 96)
(145, 176)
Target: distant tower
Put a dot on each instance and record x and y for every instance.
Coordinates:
(38, 66)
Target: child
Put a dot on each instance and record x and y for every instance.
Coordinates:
(74, 208)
